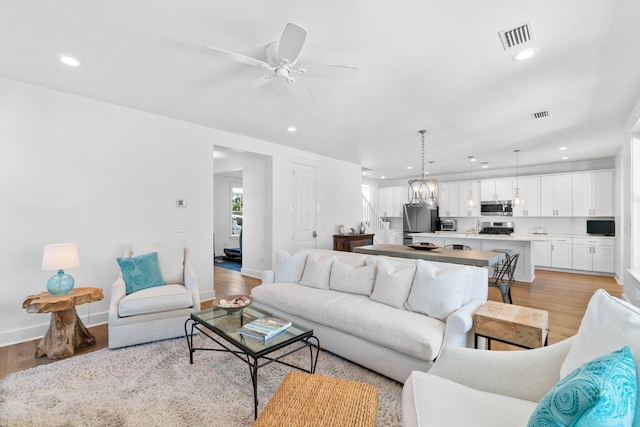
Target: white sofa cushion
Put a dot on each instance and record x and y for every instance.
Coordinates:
(430, 400)
(317, 271)
(289, 267)
(393, 282)
(155, 300)
(410, 333)
(600, 333)
(352, 260)
(170, 258)
(438, 289)
(355, 280)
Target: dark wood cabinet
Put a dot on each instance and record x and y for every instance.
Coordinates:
(347, 242)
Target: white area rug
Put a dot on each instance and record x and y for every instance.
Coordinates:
(154, 385)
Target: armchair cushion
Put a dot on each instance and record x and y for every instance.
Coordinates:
(608, 324)
(170, 258)
(155, 300)
(141, 272)
(599, 393)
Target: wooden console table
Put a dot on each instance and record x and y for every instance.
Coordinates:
(346, 242)
(66, 331)
(511, 324)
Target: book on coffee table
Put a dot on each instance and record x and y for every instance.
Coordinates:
(264, 328)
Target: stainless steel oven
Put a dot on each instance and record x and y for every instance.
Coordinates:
(502, 207)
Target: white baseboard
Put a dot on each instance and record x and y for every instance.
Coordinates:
(249, 272)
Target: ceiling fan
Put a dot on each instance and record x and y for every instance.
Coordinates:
(282, 57)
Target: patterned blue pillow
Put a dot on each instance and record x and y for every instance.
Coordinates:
(600, 393)
(141, 272)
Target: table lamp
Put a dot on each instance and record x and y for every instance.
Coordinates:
(58, 257)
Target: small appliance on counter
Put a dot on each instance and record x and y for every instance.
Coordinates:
(448, 225)
(505, 227)
(601, 227)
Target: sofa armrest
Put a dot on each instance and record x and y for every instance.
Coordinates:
(525, 374)
(118, 291)
(191, 279)
(268, 276)
(460, 323)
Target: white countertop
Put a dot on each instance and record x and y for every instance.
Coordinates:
(518, 237)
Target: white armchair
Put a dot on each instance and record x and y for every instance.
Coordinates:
(155, 313)
(468, 387)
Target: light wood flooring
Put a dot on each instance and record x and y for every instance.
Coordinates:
(564, 295)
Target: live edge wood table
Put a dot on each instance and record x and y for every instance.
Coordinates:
(511, 324)
(66, 331)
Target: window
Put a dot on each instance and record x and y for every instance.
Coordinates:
(236, 211)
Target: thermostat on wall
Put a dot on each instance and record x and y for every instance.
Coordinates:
(181, 203)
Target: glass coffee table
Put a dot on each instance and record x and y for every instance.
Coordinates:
(222, 328)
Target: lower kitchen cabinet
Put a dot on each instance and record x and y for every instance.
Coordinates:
(542, 253)
(561, 252)
(593, 254)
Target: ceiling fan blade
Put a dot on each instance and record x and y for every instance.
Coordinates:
(271, 52)
(291, 42)
(329, 72)
(235, 57)
(253, 84)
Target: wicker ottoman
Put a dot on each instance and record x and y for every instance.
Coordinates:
(315, 400)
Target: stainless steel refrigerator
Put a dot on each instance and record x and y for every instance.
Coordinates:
(418, 219)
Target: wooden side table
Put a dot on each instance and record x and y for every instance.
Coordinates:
(511, 324)
(66, 331)
(346, 242)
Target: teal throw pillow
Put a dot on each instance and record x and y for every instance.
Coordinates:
(141, 272)
(601, 392)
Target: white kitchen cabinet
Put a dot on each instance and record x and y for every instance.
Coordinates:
(463, 198)
(496, 189)
(542, 253)
(448, 199)
(593, 254)
(593, 193)
(556, 195)
(391, 200)
(529, 196)
(561, 252)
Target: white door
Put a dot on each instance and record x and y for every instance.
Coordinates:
(304, 206)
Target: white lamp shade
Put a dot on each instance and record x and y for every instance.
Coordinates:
(60, 256)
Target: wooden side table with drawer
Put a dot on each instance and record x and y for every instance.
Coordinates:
(346, 242)
(511, 324)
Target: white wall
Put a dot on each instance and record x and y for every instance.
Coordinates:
(103, 176)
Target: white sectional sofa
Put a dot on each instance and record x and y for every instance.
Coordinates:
(391, 315)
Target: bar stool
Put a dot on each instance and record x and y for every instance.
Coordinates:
(503, 274)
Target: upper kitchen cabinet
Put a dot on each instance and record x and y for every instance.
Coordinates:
(556, 195)
(496, 189)
(448, 199)
(390, 201)
(593, 193)
(463, 198)
(529, 187)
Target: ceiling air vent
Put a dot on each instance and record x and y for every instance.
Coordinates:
(540, 115)
(517, 36)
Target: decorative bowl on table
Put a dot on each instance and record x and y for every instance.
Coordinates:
(233, 303)
(424, 246)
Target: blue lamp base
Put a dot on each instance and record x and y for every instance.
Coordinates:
(60, 284)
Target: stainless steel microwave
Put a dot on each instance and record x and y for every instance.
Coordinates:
(501, 207)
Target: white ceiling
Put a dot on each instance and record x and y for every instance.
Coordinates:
(429, 65)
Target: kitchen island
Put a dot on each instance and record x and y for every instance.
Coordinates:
(523, 245)
(475, 258)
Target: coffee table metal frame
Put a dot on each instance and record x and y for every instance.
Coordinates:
(249, 350)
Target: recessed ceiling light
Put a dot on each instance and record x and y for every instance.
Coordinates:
(409, 167)
(524, 54)
(382, 177)
(563, 148)
(564, 158)
(291, 129)
(472, 159)
(68, 60)
(485, 165)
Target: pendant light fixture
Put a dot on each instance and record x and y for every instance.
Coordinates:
(517, 199)
(471, 201)
(422, 191)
